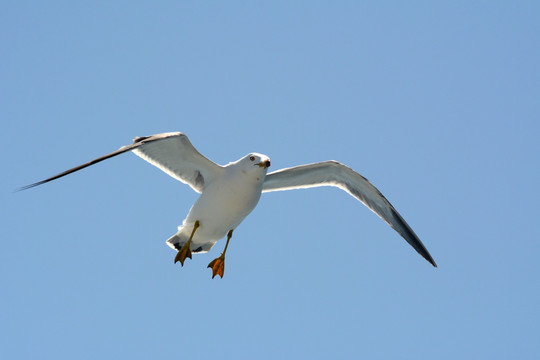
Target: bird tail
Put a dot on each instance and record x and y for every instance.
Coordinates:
(176, 241)
(179, 239)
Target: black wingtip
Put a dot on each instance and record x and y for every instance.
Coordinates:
(421, 249)
(426, 255)
(122, 150)
(408, 234)
(26, 187)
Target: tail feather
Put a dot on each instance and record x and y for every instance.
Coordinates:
(178, 240)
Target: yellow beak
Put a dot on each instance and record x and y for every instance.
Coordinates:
(265, 164)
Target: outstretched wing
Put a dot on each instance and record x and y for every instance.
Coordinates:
(333, 173)
(171, 152)
(174, 154)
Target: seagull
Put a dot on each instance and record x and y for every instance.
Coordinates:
(229, 193)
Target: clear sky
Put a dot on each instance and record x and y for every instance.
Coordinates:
(437, 103)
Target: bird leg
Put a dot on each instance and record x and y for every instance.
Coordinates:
(218, 265)
(185, 250)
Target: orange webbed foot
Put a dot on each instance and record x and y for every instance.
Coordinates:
(218, 266)
(185, 252)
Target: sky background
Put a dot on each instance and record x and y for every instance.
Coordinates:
(437, 103)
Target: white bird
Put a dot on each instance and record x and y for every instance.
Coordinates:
(229, 193)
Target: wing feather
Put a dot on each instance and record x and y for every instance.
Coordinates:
(175, 155)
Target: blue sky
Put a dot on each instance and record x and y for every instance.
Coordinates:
(435, 102)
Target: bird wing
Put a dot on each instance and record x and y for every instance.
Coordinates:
(171, 152)
(174, 154)
(333, 173)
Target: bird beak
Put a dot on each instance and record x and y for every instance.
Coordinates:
(264, 164)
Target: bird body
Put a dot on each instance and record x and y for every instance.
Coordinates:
(224, 204)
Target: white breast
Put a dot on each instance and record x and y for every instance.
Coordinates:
(225, 202)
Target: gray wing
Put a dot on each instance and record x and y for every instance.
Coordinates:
(170, 152)
(333, 173)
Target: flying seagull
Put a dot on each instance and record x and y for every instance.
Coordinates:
(229, 193)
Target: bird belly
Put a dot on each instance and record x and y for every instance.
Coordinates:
(223, 209)
(220, 208)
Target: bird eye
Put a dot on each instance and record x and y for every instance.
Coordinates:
(252, 158)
